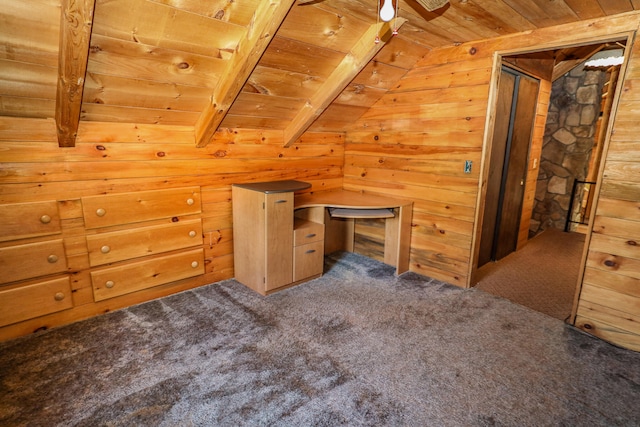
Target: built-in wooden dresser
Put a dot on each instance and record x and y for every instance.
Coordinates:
(134, 241)
(33, 280)
(138, 240)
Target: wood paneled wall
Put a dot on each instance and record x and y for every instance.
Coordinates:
(608, 303)
(116, 158)
(413, 143)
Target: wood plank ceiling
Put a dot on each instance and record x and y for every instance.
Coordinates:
(285, 65)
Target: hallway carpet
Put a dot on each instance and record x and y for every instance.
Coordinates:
(356, 347)
(542, 275)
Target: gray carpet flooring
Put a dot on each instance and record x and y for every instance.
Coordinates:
(357, 346)
(542, 275)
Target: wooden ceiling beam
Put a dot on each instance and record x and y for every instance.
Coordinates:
(76, 20)
(354, 61)
(264, 24)
(565, 64)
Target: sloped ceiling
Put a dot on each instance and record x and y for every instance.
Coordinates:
(285, 65)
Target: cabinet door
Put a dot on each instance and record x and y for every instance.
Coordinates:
(249, 253)
(279, 239)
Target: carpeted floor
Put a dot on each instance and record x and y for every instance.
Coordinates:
(357, 347)
(542, 275)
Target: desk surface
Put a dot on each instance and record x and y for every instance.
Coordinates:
(348, 199)
(275, 186)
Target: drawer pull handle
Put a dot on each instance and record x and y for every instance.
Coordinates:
(310, 251)
(281, 201)
(190, 201)
(52, 259)
(110, 284)
(311, 235)
(192, 233)
(101, 212)
(105, 249)
(195, 264)
(45, 219)
(59, 296)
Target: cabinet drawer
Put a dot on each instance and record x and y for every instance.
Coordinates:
(306, 232)
(34, 300)
(114, 281)
(122, 245)
(125, 208)
(32, 260)
(23, 220)
(308, 260)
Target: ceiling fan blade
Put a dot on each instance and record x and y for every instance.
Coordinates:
(432, 5)
(308, 2)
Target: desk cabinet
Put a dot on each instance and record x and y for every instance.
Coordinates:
(263, 237)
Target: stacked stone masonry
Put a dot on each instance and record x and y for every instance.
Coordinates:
(569, 139)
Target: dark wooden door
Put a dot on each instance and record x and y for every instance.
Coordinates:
(515, 114)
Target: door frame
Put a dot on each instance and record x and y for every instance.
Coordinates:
(488, 138)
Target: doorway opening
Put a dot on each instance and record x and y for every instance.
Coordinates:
(541, 269)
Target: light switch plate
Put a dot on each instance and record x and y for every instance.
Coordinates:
(467, 166)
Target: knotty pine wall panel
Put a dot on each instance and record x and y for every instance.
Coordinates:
(609, 300)
(116, 158)
(413, 143)
(441, 106)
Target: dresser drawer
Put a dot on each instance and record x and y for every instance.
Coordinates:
(24, 220)
(34, 300)
(122, 245)
(125, 208)
(32, 260)
(306, 232)
(308, 260)
(120, 280)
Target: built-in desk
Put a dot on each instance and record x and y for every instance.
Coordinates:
(339, 229)
(279, 240)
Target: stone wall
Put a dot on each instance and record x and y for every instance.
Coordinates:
(569, 138)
